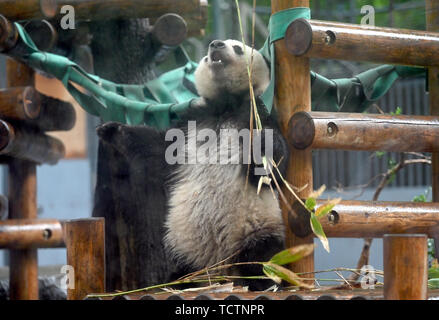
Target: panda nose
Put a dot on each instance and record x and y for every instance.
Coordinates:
(217, 44)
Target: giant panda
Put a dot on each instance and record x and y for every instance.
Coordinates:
(214, 212)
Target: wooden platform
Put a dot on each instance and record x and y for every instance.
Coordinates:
(355, 294)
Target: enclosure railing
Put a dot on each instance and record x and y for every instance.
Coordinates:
(404, 226)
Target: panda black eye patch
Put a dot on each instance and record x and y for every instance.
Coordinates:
(238, 50)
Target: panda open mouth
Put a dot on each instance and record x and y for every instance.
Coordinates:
(217, 57)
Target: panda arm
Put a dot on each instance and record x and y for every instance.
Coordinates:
(259, 250)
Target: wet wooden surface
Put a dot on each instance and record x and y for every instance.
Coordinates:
(26, 144)
(85, 243)
(359, 131)
(333, 40)
(293, 94)
(22, 203)
(323, 294)
(95, 9)
(405, 266)
(30, 233)
(358, 219)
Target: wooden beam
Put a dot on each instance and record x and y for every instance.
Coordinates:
(26, 144)
(373, 219)
(8, 34)
(85, 243)
(293, 94)
(405, 267)
(333, 40)
(23, 264)
(20, 103)
(360, 131)
(432, 15)
(94, 9)
(31, 233)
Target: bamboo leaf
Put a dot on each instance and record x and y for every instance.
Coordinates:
(433, 273)
(327, 207)
(318, 231)
(292, 254)
(276, 272)
(433, 283)
(271, 273)
(310, 203)
(316, 194)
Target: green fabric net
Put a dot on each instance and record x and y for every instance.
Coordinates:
(159, 102)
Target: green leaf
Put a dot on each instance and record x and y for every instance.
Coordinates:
(327, 207)
(433, 283)
(318, 231)
(292, 254)
(379, 154)
(317, 193)
(433, 273)
(420, 198)
(310, 203)
(278, 273)
(396, 112)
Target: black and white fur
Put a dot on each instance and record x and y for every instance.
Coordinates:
(212, 213)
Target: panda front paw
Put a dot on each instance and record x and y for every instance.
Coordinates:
(108, 131)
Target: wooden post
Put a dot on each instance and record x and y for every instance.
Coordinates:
(22, 203)
(85, 243)
(405, 266)
(293, 94)
(334, 40)
(359, 131)
(432, 15)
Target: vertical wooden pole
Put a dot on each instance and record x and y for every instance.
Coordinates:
(22, 203)
(432, 16)
(405, 266)
(85, 243)
(293, 94)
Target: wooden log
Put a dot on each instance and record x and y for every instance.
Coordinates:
(169, 31)
(85, 243)
(332, 40)
(373, 219)
(360, 131)
(405, 266)
(94, 9)
(293, 94)
(20, 103)
(29, 145)
(8, 34)
(35, 109)
(196, 20)
(42, 33)
(31, 234)
(432, 16)
(23, 265)
(55, 115)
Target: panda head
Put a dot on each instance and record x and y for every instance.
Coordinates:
(224, 70)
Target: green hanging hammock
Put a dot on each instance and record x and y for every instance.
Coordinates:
(159, 102)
